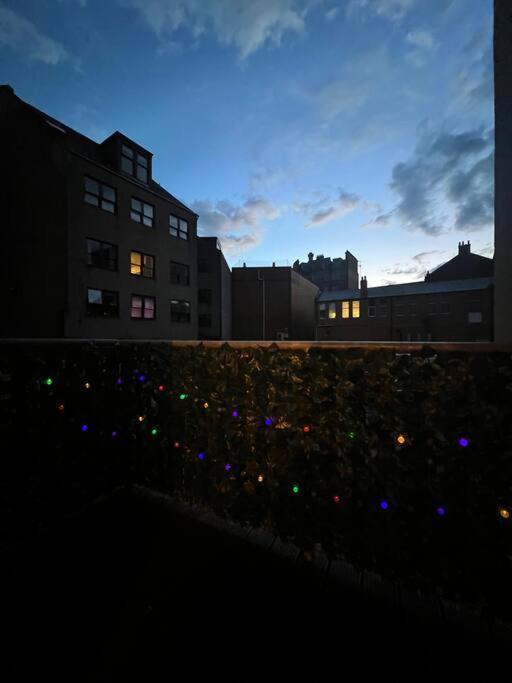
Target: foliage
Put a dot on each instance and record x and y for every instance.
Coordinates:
(325, 421)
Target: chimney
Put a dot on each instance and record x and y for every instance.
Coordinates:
(464, 248)
(364, 287)
(310, 256)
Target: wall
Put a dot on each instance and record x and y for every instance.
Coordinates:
(303, 296)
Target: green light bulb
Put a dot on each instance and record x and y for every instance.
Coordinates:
(183, 396)
(295, 489)
(48, 381)
(154, 432)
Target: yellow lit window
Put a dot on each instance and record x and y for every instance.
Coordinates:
(332, 311)
(136, 263)
(345, 309)
(355, 309)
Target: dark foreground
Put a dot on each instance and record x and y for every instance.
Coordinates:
(131, 590)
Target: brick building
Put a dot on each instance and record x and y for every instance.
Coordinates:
(452, 310)
(214, 290)
(463, 266)
(94, 246)
(272, 303)
(330, 275)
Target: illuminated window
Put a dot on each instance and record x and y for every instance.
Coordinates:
(332, 311)
(355, 309)
(142, 212)
(143, 307)
(142, 264)
(178, 227)
(345, 309)
(372, 308)
(100, 195)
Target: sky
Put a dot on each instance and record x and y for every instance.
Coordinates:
(289, 126)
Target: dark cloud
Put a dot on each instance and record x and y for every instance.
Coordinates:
(446, 166)
(327, 209)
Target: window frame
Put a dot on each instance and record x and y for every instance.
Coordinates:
(142, 265)
(181, 265)
(179, 232)
(90, 313)
(208, 301)
(203, 316)
(179, 320)
(143, 297)
(141, 213)
(101, 242)
(372, 307)
(133, 157)
(102, 199)
(345, 307)
(356, 305)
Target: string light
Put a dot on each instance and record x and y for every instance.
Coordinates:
(60, 407)
(48, 381)
(183, 396)
(234, 413)
(87, 385)
(176, 444)
(154, 431)
(268, 421)
(336, 499)
(227, 467)
(200, 456)
(463, 441)
(384, 505)
(114, 434)
(351, 435)
(205, 405)
(141, 418)
(504, 513)
(84, 428)
(161, 387)
(400, 439)
(441, 511)
(119, 380)
(306, 429)
(260, 478)
(295, 488)
(142, 378)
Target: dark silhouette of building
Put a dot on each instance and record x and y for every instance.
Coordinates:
(272, 303)
(214, 290)
(93, 246)
(451, 310)
(463, 266)
(503, 169)
(330, 275)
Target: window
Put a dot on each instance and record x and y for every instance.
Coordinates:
(475, 317)
(345, 309)
(355, 309)
(444, 308)
(134, 164)
(101, 254)
(205, 320)
(322, 311)
(204, 296)
(203, 267)
(178, 228)
(431, 308)
(412, 309)
(399, 309)
(100, 195)
(142, 212)
(180, 311)
(372, 308)
(102, 303)
(180, 273)
(143, 307)
(142, 264)
(332, 311)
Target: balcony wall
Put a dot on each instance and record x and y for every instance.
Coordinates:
(396, 457)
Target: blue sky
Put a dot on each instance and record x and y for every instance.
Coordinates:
(289, 125)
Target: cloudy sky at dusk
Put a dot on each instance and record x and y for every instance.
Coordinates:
(289, 125)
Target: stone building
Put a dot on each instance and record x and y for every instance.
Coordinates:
(327, 274)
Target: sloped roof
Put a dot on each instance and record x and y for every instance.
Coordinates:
(411, 288)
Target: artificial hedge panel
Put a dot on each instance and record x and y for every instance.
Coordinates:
(399, 463)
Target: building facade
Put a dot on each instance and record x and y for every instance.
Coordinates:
(464, 265)
(96, 248)
(452, 310)
(273, 303)
(503, 169)
(330, 275)
(214, 290)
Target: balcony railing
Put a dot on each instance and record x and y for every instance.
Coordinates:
(396, 457)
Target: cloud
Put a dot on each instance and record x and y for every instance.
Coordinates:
(326, 209)
(238, 227)
(247, 26)
(381, 220)
(475, 80)
(416, 268)
(394, 10)
(445, 168)
(332, 13)
(23, 37)
(421, 39)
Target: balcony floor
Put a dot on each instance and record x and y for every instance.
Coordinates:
(131, 590)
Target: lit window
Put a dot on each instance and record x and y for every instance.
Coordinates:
(355, 309)
(102, 303)
(372, 310)
(142, 264)
(143, 307)
(332, 311)
(178, 227)
(180, 311)
(100, 195)
(101, 254)
(142, 212)
(345, 309)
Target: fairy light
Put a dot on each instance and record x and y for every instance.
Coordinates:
(441, 511)
(227, 467)
(295, 488)
(60, 407)
(141, 418)
(351, 435)
(176, 444)
(464, 442)
(114, 434)
(119, 381)
(161, 387)
(268, 421)
(306, 429)
(154, 431)
(48, 381)
(504, 513)
(336, 499)
(84, 427)
(183, 397)
(87, 385)
(260, 478)
(384, 504)
(234, 413)
(205, 405)
(142, 378)
(400, 439)
(200, 456)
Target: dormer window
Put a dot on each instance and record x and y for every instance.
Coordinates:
(134, 164)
